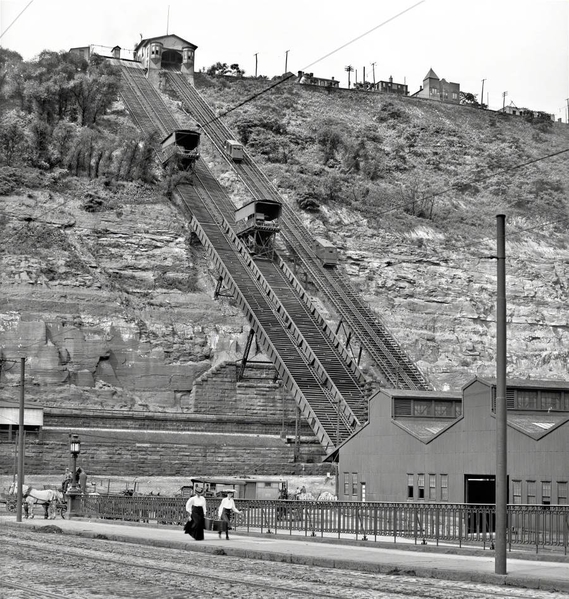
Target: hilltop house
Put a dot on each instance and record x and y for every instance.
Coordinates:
(167, 52)
(434, 88)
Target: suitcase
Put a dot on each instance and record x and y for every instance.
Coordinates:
(215, 525)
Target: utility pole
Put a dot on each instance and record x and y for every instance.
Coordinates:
(568, 111)
(168, 20)
(504, 94)
(349, 69)
(501, 406)
(482, 94)
(364, 76)
(255, 65)
(20, 493)
(373, 69)
(286, 61)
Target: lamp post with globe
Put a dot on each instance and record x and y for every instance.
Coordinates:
(73, 493)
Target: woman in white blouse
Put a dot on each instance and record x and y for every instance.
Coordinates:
(196, 508)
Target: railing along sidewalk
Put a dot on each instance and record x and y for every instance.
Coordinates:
(541, 526)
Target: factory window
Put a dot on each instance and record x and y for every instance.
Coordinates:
(410, 486)
(517, 491)
(531, 399)
(526, 400)
(444, 409)
(432, 487)
(546, 492)
(354, 484)
(421, 408)
(427, 408)
(444, 487)
(551, 400)
(421, 485)
(562, 493)
(531, 492)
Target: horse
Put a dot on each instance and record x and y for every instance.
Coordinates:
(47, 497)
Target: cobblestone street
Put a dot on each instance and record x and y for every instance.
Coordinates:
(37, 564)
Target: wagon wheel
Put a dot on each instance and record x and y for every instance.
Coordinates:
(62, 508)
(11, 506)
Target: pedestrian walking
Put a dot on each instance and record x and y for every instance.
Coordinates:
(227, 506)
(82, 480)
(196, 508)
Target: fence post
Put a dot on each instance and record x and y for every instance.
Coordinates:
(395, 523)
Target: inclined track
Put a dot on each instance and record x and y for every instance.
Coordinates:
(321, 375)
(396, 367)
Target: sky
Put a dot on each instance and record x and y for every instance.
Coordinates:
(516, 46)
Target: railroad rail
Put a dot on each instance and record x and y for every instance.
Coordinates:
(373, 335)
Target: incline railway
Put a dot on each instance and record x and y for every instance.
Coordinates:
(325, 381)
(396, 367)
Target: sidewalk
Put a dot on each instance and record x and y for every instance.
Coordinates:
(524, 570)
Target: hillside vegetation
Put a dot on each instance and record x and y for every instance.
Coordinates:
(389, 158)
(105, 289)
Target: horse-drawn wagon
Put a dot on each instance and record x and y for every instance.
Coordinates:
(52, 500)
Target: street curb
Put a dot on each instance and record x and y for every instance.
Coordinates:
(324, 562)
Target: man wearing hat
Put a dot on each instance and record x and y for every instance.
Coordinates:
(227, 506)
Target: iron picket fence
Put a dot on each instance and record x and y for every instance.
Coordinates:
(536, 525)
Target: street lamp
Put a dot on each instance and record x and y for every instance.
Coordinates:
(75, 450)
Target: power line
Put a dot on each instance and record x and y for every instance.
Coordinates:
(21, 13)
(280, 82)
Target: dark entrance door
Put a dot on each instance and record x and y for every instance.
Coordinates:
(480, 490)
(171, 60)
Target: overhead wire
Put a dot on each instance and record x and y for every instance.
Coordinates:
(287, 78)
(21, 13)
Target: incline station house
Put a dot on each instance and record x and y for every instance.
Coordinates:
(441, 447)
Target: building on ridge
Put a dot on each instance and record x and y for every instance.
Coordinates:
(434, 88)
(166, 52)
(392, 88)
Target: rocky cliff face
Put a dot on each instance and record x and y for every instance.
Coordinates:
(440, 302)
(111, 308)
(109, 298)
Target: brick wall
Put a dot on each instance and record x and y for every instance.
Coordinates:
(227, 428)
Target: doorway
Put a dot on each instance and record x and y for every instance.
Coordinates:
(480, 490)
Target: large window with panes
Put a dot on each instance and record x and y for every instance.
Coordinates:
(534, 399)
(427, 408)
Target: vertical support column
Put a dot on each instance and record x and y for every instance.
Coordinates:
(21, 436)
(500, 566)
